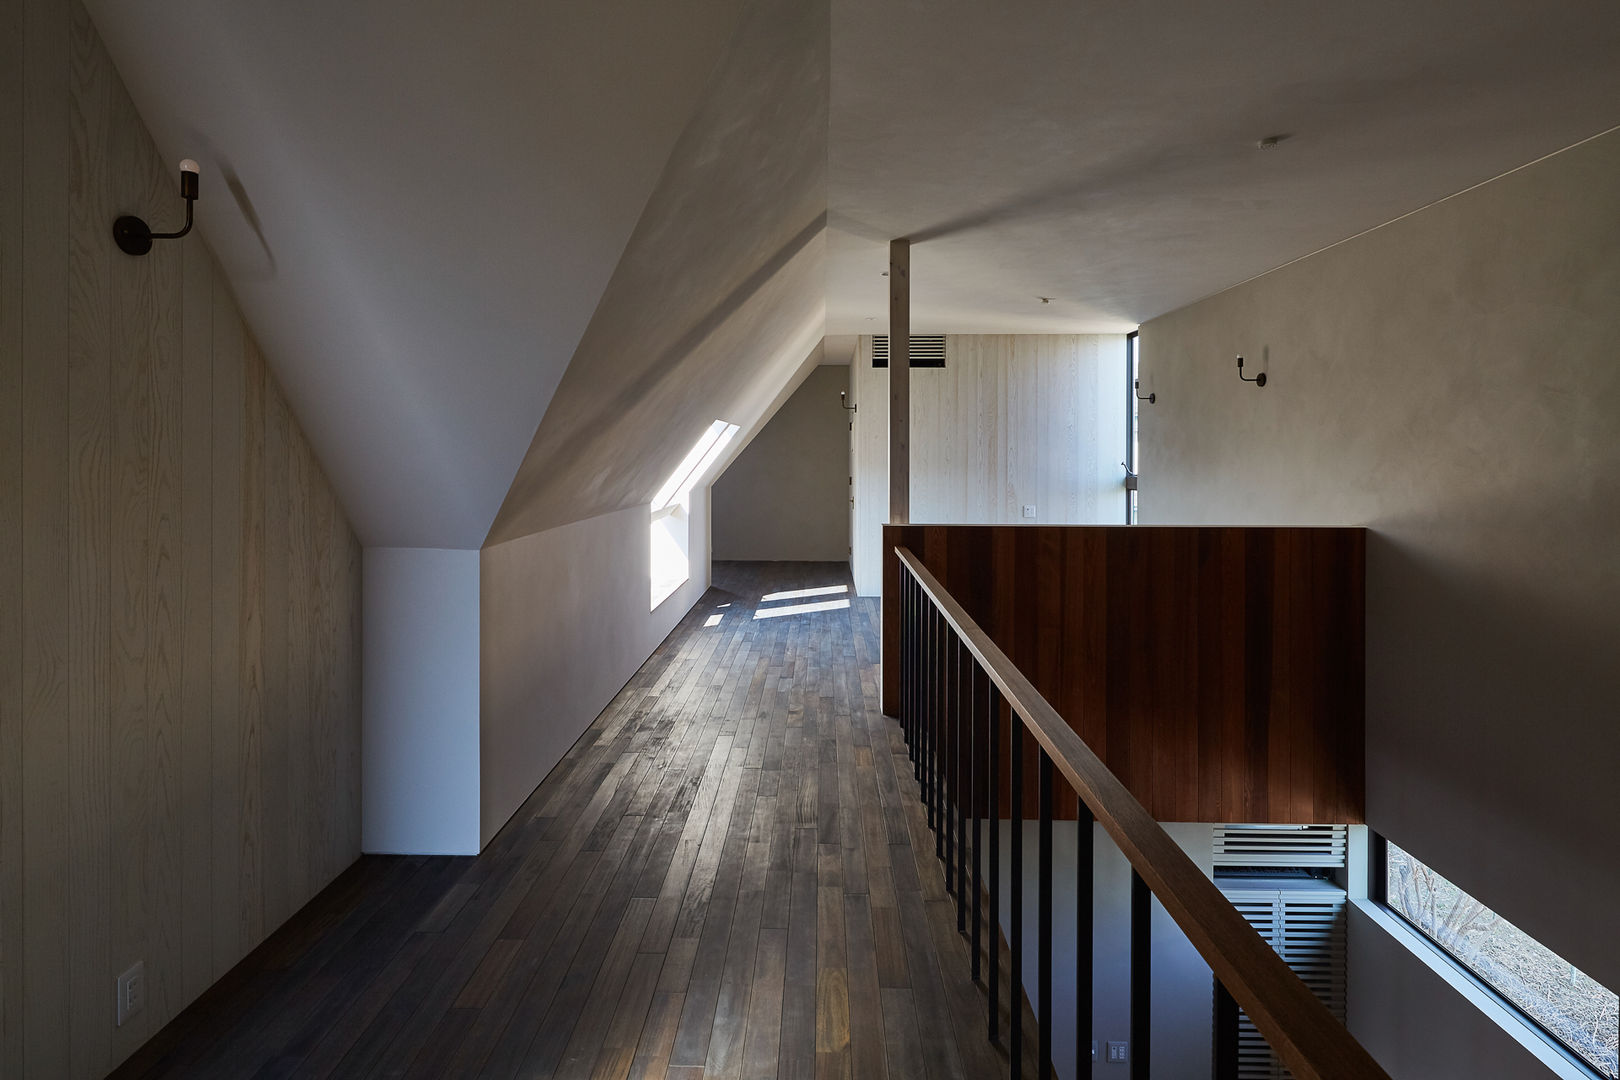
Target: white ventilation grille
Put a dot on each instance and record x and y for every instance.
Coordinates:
(1304, 922)
(1280, 845)
(927, 350)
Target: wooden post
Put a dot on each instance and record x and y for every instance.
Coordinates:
(899, 382)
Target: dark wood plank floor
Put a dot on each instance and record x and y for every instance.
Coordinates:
(729, 875)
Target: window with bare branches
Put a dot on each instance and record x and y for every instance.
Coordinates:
(1577, 1011)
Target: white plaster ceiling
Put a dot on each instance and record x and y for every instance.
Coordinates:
(552, 241)
(1103, 153)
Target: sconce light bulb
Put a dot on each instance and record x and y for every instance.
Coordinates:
(190, 166)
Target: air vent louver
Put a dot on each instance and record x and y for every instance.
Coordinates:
(1280, 845)
(1306, 927)
(927, 351)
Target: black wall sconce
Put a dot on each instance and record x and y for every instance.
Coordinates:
(1151, 399)
(1258, 380)
(843, 399)
(134, 236)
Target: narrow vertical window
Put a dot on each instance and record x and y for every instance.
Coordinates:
(1132, 421)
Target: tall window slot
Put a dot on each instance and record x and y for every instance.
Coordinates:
(1132, 418)
(672, 511)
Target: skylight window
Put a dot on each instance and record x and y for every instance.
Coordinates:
(670, 564)
(1572, 1007)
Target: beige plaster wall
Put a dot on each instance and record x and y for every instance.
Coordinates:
(1450, 381)
(786, 496)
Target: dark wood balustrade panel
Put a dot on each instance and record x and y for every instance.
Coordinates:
(1218, 672)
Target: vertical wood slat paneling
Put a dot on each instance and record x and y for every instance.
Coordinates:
(274, 744)
(11, 562)
(1011, 420)
(148, 527)
(164, 652)
(226, 564)
(1218, 672)
(299, 633)
(89, 542)
(43, 458)
(251, 678)
(196, 531)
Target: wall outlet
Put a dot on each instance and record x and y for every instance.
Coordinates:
(131, 991)
(1116, 1052)
(1029, 511)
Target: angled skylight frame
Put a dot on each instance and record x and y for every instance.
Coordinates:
(695, 464)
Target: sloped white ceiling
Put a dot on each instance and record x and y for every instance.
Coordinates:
(719, 297)
(419, 205)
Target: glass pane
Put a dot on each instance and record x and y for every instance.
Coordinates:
(1574, 1008)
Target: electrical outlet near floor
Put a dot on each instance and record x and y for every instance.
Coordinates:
(131, 991)
(1116, 1052)
(1029, 511)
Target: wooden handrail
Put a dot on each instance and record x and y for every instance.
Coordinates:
(1301, 1030)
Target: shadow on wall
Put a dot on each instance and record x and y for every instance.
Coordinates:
(1447, 774)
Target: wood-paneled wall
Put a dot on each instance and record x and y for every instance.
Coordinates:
(179, 590)
(1012, 420)
(1217, 671)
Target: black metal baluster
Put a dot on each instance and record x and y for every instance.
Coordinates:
(953, 701)
(975, 806)
(1141, 977)
(993, 804)
(1226, 1034)
(1015, 1021)
(964, 724)
(942, 644)
(1084, 972)
(911, 665)
(905, 654)
(1043, 973)
(930, 690)
(922, 685)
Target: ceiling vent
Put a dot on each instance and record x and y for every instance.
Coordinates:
(1280, 845)
(927, 350)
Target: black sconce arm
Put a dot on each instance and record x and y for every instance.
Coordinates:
(134, 236)
(1258, 380)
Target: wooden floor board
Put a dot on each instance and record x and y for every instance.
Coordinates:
(729, 875)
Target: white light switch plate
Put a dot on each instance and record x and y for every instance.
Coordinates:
(1029, 511)
(131, 991)
(1116, 1052)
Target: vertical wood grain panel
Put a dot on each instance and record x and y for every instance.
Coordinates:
(134, 315)
(323, 722)
(164, 644)
(140, 591)
(277, 900)
(89, 546)
(196, 530)
(11, 563)
(1217, 671)
(44, 476)
(301, 828)
(250, 705)
(226, 565)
